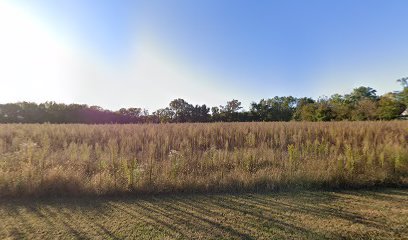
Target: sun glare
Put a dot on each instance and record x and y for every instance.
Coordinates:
(38, 64)
(32, 60)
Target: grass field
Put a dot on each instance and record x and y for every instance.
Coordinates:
(364, 214)
(78, 160)
(149, 181)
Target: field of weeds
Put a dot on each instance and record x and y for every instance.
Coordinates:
(79, 160)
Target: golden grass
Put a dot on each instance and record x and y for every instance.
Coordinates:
(38, 160)
(380, 214)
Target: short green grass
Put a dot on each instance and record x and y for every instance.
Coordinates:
(363, 214)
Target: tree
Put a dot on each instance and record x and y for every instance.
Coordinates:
(365, 109)
(389, 107)
(231, 107)
(274, 109)
(314, 111)
(164, 115)
(361, 93)
(303, 101)
(341, 108)
(200, 113)
(306, 112)
(10, 112)
(300, 103)
(229, 112)
(403, 95)
(182, 110)
(215, 114)
(259, 110)
(403, 81)
(361, 104)
(323, 111)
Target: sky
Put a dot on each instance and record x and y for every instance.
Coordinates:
(120, 53)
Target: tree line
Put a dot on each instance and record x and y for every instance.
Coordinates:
(361, 104)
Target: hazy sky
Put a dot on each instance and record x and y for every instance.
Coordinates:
(115, 53)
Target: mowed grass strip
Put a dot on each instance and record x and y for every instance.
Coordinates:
(374, 214)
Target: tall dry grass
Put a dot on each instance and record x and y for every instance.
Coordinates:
(105, 159)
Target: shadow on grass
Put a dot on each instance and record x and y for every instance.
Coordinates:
(231, 216)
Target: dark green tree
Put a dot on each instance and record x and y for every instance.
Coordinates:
(361, 93)
(402, 96)
(389, 107)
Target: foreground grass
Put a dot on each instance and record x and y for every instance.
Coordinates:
(79, 160)
(377, 214)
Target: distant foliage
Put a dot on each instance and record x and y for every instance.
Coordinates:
(360, 105)
(50, 159)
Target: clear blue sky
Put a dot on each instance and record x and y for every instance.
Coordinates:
(116, 53)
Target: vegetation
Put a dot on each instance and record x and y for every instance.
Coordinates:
(380, 214)
(47, 159)
(361, 104)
